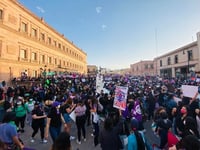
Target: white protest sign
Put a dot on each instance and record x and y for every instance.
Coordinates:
(73, 115)
(176, 99)
(189, 90)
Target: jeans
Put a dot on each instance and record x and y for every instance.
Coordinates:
(54, 132)
(96, 133)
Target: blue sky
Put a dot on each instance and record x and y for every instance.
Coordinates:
(117, 33)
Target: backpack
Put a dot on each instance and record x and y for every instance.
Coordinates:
(140, 141)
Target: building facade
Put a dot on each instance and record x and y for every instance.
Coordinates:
(92, 70)
(143, 68)
(182, 62)
(30, 46)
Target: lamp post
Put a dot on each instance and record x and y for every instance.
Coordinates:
(188, 63)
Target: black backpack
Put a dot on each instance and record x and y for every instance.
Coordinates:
(140, 141)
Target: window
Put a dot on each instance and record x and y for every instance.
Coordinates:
(59, 46)
(49, 40)
(146, 66)
(151, 66)
(55, 61)
(55, 44)
(190, 55)
(23, 54)
(160, 63)
(43, 58)
(169, 61)
(1, 14)
(33, 56)
(34, 32)
(176, 59)
(49, 60)
(24, 27)
(34, 73)
(42, 36)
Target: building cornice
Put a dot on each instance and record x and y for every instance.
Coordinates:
(178, 50)
(41, 20)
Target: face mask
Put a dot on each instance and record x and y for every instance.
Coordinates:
(183, 110)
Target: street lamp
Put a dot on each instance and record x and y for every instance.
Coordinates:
(188, 64)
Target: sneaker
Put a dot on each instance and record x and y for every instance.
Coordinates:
(84, 139)
(78, 142)
(72, 137)
(32, 140)
(92, 134)
(44, 141)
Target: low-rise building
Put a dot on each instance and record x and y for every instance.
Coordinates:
(143, 68)
(181, 62)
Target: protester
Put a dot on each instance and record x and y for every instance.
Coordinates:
(190, 127)
(108, 138)
(163, 126)
(62, 142)
(38, 122)
(30, 105)
(95, 119)
(8, 132)
(80, 111)
(54, 122)
(136, 140)
(21, 110)
(190, 142)
(180, 119)
(67, 108)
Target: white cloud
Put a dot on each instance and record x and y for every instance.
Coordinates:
(40, 9)
(98, 9)
(103, 26)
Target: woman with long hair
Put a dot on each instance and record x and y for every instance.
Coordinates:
(67, 108)
(54, 121)
(80, 111)
(62, 142)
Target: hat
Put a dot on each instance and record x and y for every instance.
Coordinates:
(134, 124)
(55, 104)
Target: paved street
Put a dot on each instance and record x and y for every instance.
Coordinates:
(88, 145)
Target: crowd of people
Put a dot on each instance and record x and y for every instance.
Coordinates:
(49, 106)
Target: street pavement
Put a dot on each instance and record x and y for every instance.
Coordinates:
(85, 145)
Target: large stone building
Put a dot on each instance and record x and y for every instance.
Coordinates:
(143, 68)
(182, 62)
(30, 46)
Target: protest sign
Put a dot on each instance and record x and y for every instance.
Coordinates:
(189, 90)
(73, 115)
(120, 97)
